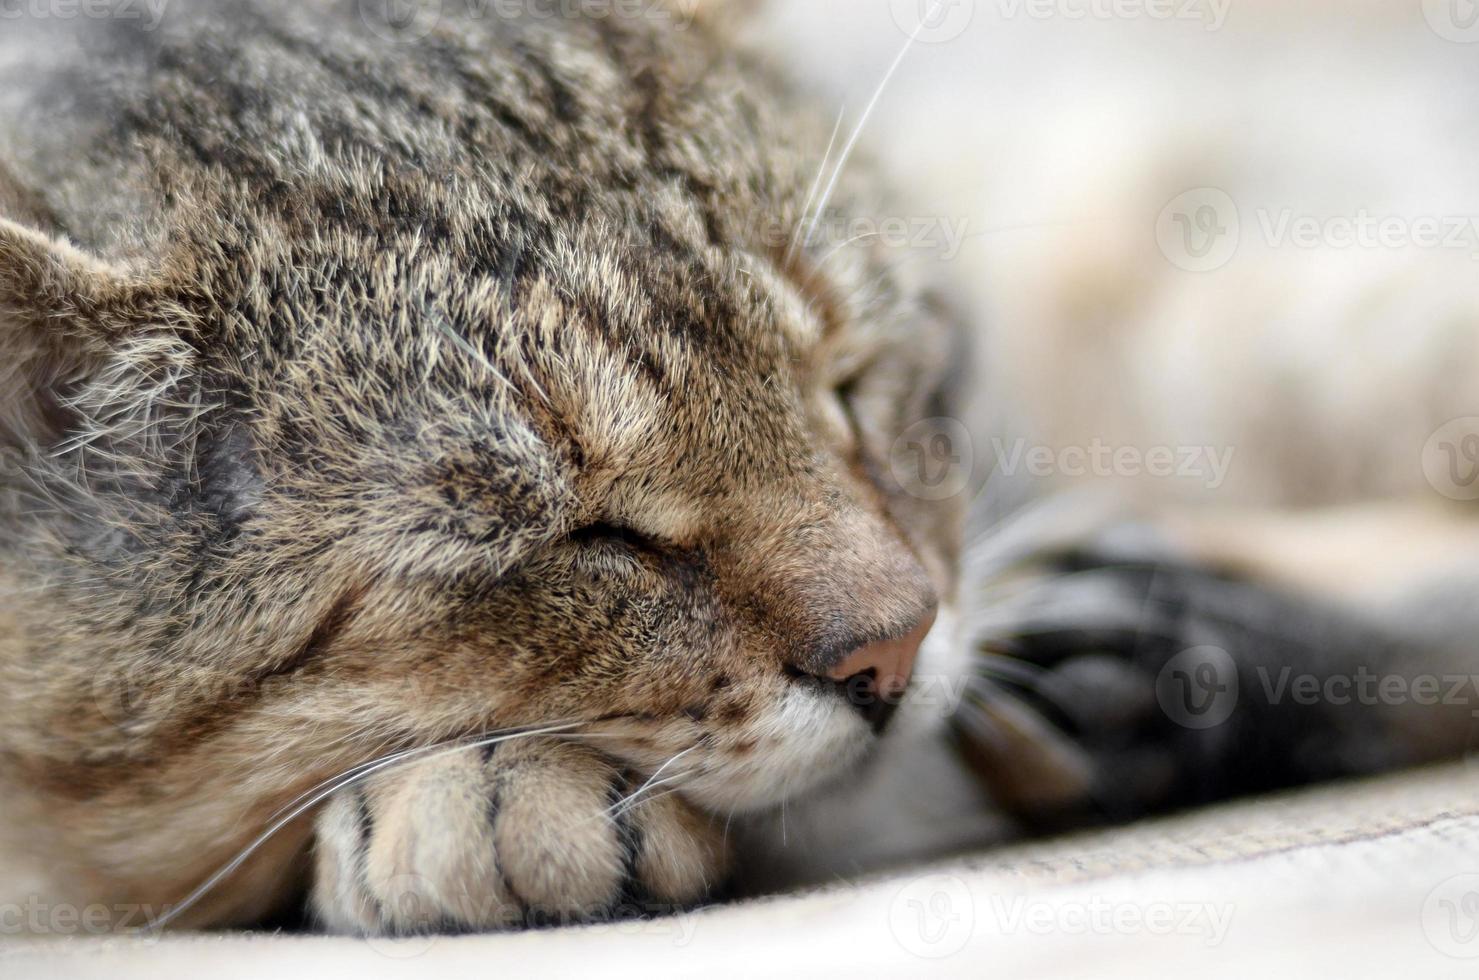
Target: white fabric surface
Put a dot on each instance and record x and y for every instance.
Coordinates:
(1377, 879)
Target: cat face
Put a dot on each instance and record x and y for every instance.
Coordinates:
(495, 403)
(670, 524)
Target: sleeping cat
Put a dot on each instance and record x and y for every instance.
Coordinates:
(390, 393)
(419, 445)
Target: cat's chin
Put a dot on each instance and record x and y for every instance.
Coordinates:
(804, 742)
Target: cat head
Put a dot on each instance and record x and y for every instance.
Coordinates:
(520, 396)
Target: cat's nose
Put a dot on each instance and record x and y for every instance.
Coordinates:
(875, 676)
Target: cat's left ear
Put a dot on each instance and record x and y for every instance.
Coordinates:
(61, 311)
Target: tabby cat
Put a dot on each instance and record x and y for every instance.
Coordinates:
(447, 475)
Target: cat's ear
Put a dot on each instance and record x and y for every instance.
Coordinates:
(61, 310)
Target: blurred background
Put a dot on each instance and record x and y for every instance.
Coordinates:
(1243, 227)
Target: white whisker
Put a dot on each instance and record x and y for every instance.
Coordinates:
(851, 241)
(863, 122)
(631, 802)
(313, 798)
(466, 347)
(406, 754)
(815, 186)
(658, 796)
(625, 804)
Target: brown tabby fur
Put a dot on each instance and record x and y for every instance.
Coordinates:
(353, 338)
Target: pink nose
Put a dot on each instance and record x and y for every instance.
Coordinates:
(877, 674)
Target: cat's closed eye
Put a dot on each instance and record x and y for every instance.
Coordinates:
(609, 534)
(838, 416)
(846, 395)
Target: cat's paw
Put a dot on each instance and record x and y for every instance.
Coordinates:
(1111, 692)
(1125, 685)
(530, 833)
